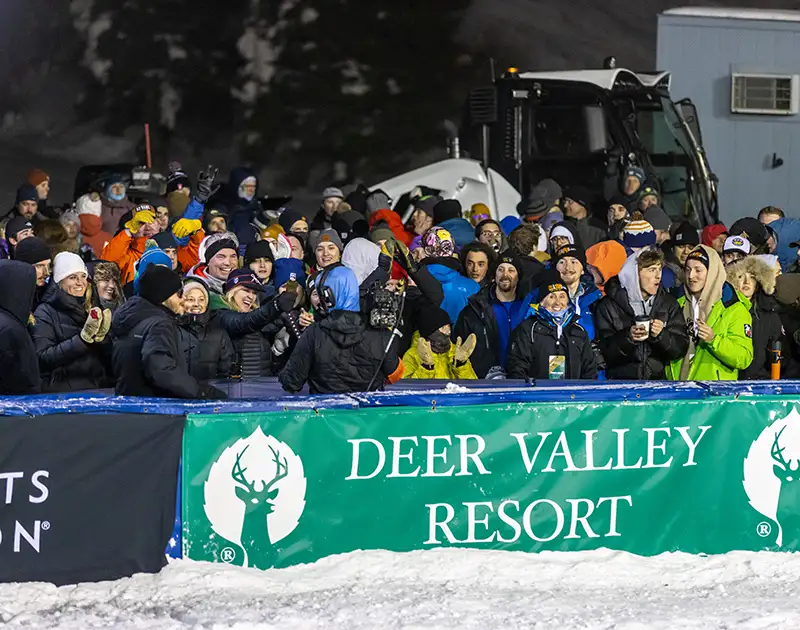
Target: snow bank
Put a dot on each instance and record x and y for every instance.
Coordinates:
(442, 588)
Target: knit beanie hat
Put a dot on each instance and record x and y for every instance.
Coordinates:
(507, 259)
(381, 232)
(289, 217)
(65, 264)
(331, 192)
(157, 284)
(153, 256)
(37, 176)
(166, 240)
(288, 269)
(438, 243)
(445, 210)
(89, 204)
(580, 195)
(213, 248)
(543, 197)
(258, 249)
(637, 172)
(649, 191)
(378, 200)
(700, 255)
(210, 215)
(16, 225)
(550, 282)
(569, 251)
(26, 192)
(324, 236)
(685, 234)
(711, 232)
(32, 250)
(430, 318)
(638, 234)
(478, 213)
(427, 204)
(194, 283)
(656, 217)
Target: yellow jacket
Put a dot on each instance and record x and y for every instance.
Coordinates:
(444, 365)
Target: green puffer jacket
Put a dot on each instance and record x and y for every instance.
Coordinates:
(731, 349)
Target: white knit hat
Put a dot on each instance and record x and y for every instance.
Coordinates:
(87, 205)
(65, 264)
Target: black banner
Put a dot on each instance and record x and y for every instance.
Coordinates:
(86, 497)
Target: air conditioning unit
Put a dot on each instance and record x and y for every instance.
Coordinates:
(771, 94)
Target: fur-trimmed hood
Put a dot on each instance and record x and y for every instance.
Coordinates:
(764, 274)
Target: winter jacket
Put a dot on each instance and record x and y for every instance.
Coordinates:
(340, 355)
(461, 230)
(240, 212)
(395, 223)
(252, 335)
(427, 289)
(531, 268)
(444, 365)
(147, 356)
(320, 222)
(480, 317)
(457, 289)
(66, 362)
(788, 231)
(731, 349)
(588, 233)
(113, 211)
(536, 341)
(125, 250)
(20, 373)
(627, 359)
(767, 329)
(93, 234)
(584, 305)
(208, 349)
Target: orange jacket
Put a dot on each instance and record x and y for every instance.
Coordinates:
(189, 255)
(125, 250)
(395, 225)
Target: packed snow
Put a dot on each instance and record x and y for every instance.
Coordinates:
(443, 588)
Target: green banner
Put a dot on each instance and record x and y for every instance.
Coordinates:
(705, 476)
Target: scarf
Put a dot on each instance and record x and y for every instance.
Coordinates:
(698, 309)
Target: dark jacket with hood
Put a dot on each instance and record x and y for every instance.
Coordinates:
(627, 359)
(537, 339)
(20, 373)
(252, 335)
(456, 288)
(240, 212)
(66, 361)
(340, 354)
(148, 360)
(530, 269)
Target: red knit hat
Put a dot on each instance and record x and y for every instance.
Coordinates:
(711, 232)
(37, 176)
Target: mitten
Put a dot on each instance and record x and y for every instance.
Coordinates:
(92, 326)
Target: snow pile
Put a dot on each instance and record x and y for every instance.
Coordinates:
(442, 588)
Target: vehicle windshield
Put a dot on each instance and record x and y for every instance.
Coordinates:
(670, 148)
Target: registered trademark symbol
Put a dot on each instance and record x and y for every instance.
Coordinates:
(764, 529)
(45, 525)
(227, 554)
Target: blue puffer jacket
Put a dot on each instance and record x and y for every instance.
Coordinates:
(788, 231)
(457, 289)
(460, 229)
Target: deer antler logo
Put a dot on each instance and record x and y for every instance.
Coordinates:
(255, 496)
(772, 479)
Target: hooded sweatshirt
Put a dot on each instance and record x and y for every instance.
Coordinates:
(788, 231)
(629, 279)
(361, 256)
(20, 373)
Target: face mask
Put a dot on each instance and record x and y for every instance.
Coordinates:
(559, 316)
(440, 343)
(114, 197)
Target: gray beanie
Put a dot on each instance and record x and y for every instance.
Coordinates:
(332, 192)
(321, 236)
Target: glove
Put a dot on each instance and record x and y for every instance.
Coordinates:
(186, 227)
(403, 258)
(385, 262)
(209, 392)
(92, 326)
(389, 246)
(143, 217)
(496, 373)
(464, 351)
(105, 326)
(285, 301)
(205, 184)
(425, 353)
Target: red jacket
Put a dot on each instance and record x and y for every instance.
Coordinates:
(395, 225)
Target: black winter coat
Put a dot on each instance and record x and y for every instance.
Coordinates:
(208, 350)
(428, 291)
(148, 360)
(339, 355)
(534, 341)
(67, 363)
(767, 329)
(531, 268)
(252, 335)
(478, 317)
(20, 366)
(627, 359)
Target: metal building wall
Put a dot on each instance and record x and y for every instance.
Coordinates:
(702, 53)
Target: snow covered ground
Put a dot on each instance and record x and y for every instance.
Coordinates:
(444, 588)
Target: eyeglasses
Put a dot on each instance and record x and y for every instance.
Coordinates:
(491, 233)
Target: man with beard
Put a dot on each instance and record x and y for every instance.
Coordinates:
(477, 260)
(492, 315)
